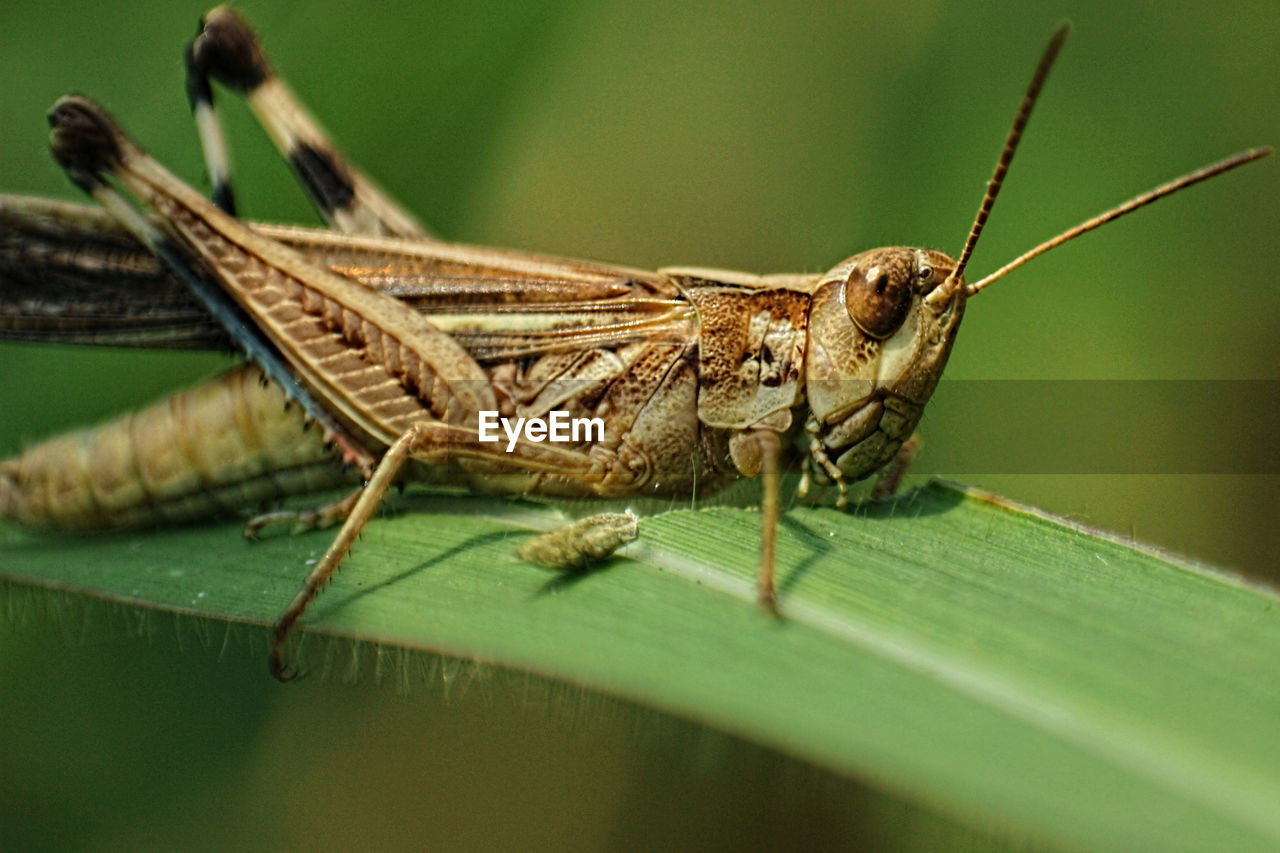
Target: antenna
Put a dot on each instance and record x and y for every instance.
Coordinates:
(1006, 156)
(1128, 207)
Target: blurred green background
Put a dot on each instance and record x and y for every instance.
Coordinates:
(763, 137)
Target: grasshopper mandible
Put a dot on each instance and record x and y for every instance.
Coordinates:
(701, 376)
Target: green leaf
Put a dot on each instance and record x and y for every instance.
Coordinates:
(989, 661)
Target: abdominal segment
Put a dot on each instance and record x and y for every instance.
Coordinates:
(218, 449)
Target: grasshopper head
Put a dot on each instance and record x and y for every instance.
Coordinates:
(880, 329)
(882, 323)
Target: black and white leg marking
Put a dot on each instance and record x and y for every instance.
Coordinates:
(225, 49)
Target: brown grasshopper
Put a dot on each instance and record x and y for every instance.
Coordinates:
(699, 377)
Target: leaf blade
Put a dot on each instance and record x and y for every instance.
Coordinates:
(983, 658)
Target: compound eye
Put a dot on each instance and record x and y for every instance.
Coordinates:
(878, 296)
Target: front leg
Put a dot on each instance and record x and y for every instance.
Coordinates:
(758, 453)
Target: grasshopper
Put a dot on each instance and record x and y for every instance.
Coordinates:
(402, 347)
